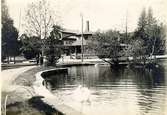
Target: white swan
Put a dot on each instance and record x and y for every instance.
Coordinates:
(81, 94)
(96, 65)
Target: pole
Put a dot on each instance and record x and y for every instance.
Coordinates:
(126, 25)
(82, 37)
(126, 30)
(19, 19)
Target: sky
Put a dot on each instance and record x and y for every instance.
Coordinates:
(102, 14)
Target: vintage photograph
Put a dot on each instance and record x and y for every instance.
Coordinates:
(83, 57)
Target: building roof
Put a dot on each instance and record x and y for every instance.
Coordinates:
(75, 32)
(69, 38)
(79, 42)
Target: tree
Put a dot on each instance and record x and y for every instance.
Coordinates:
(9, 35)
(150, 30)
(136, 49)
(141, 29)
(159, 45)
(53, 46)
(156, 35)
(40, 19)
(142, 21)
(152, 33)
(107, 46)
(30, 46)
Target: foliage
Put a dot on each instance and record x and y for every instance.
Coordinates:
(9, 34)
(136, 49)
(152, 33)
(107, 45)
(31, 46)
(147, 40)
(53, 46)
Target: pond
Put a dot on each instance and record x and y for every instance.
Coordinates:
(98, 90)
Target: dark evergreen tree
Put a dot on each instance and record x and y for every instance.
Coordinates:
(140, 32)
(10, 45)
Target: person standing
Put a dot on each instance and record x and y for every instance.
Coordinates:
(41, 60)
(37, 59)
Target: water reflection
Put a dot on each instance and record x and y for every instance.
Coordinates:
(151, 85)
(117, 92)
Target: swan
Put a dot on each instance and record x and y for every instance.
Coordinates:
(81, 94)
(96, 65)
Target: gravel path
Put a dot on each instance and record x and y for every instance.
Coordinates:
(8, 76)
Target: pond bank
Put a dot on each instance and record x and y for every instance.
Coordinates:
(49, 98)
(22, 98)
(18, 86)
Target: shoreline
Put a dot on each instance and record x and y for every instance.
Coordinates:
(21, 89)
(20, 100)
(50, 98)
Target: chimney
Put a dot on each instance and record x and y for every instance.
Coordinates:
(87, 26)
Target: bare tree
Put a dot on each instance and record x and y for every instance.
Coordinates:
(39, 19)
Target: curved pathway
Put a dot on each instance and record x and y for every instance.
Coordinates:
(9, 75)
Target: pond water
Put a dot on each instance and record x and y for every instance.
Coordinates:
(98, 90)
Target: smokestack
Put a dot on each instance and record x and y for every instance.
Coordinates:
(87, 26)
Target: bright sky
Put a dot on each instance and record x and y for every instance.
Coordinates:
(102, 14)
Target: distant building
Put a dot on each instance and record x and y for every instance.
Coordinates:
(72, 41)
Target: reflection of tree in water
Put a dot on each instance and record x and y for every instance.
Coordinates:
(149, 79)
(83, 75)
(148, 83)
(56, 81)
(110, 75)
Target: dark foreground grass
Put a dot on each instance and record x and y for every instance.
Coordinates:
(33, 106)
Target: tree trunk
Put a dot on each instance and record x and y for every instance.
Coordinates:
(8, 59)
(14, 59)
